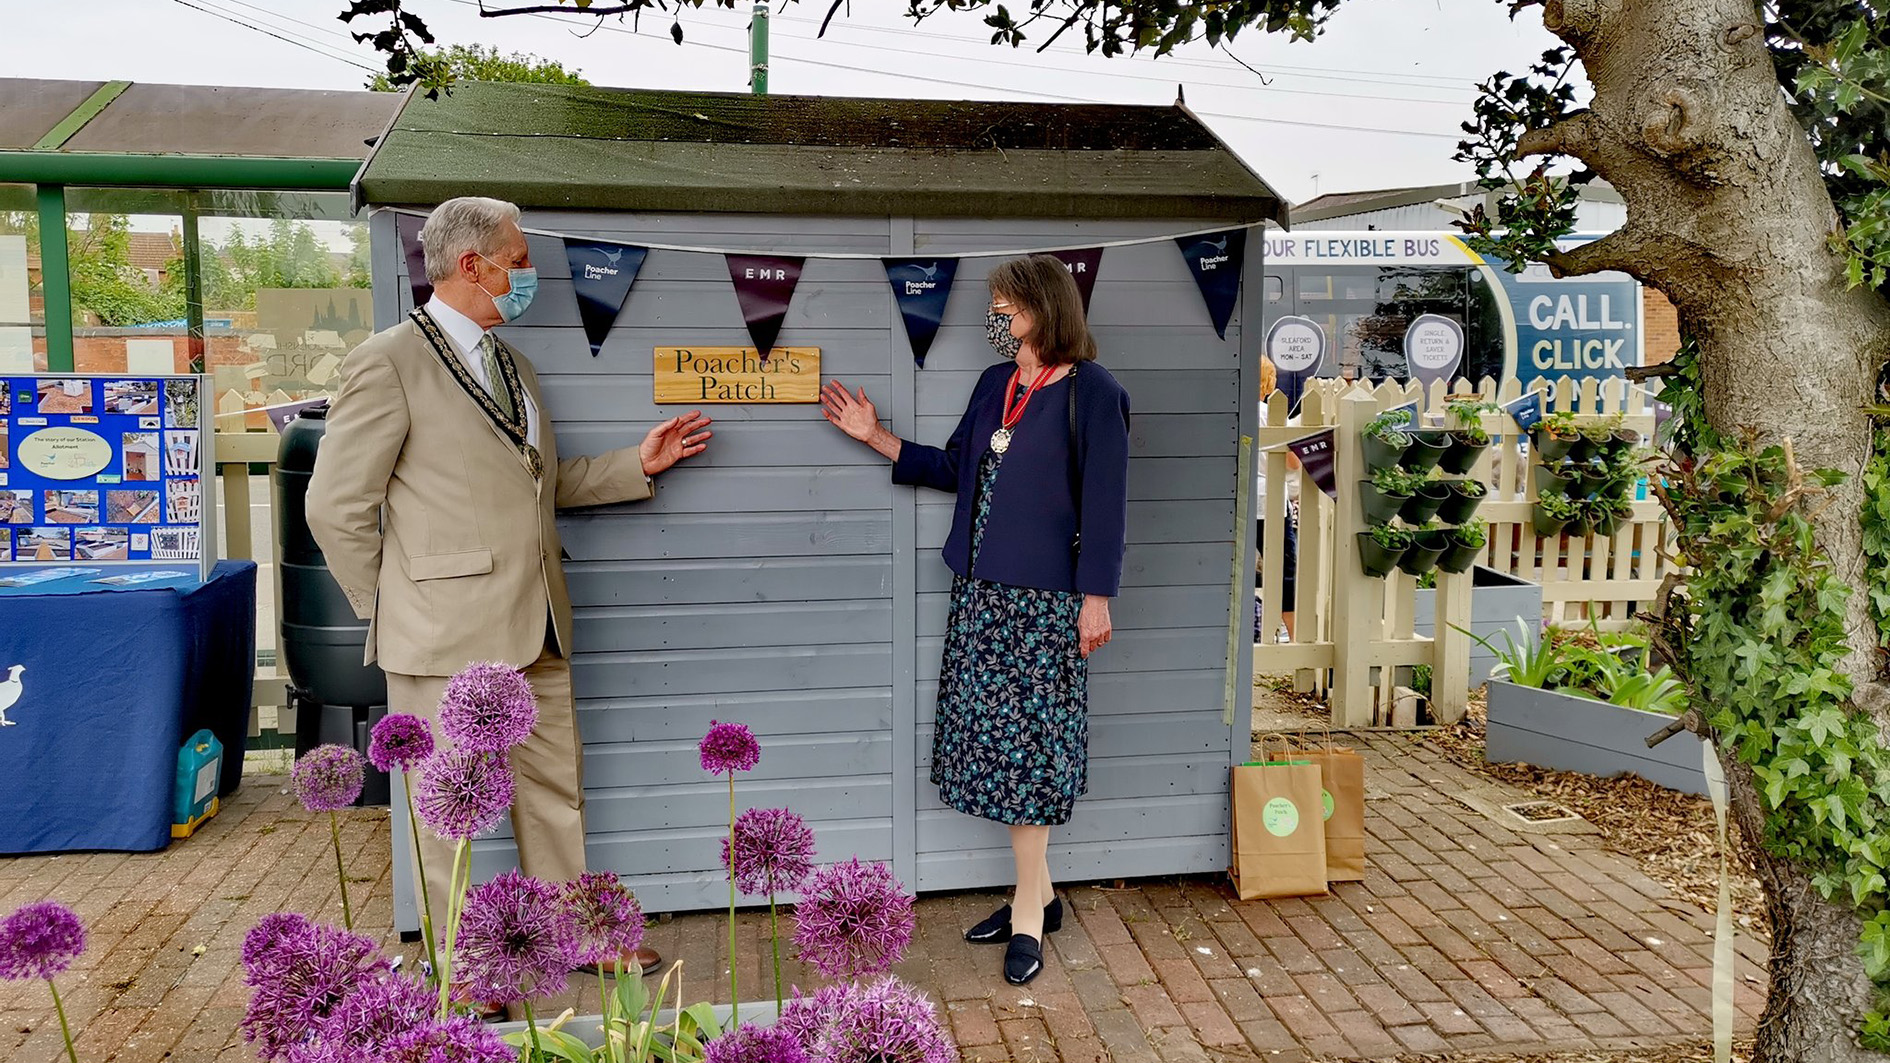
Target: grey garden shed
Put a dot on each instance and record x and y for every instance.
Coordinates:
(782, 580)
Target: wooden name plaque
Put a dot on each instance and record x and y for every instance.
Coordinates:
(687, 376)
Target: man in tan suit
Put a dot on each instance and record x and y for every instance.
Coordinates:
(434, 499)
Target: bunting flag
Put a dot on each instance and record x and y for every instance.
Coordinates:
(921, 286)
(764, 284)
(1082, 263)
(1215, 260)
(1433, 348)
(601, 274)
(1526, 411)
(1316, 454)
(407, 227)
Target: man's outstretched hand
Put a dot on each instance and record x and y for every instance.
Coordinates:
(673, 440)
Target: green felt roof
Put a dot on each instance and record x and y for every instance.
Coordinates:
(557, 146)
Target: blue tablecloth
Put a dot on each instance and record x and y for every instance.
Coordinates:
(114, 680)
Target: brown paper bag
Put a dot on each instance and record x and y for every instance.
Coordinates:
(1342, 775)
(1279, 841)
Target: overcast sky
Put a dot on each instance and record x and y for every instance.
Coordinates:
(1374, 103)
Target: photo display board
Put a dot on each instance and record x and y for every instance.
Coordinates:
(105, 473)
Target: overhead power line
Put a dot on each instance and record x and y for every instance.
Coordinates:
(298, 41)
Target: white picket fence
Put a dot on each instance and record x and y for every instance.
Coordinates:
(1354, 632)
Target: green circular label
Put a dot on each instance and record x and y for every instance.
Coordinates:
(1326, 797)
(1280, 816)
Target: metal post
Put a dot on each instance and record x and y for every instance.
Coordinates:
(55, 277)
(193, 287)
(758, 50)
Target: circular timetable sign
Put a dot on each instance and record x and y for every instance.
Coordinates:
(65, 453)
(1296, 344)
(1433, 347)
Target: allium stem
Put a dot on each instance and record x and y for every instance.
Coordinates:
(426, 895)
(462, 854)
(341, 874)
(734, 997)
(774, 939)
(604, 997)
(531, 1027)
(64, 1027)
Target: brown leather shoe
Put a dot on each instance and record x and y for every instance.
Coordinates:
(645, 959)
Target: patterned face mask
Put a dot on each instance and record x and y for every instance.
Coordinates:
(997, 329)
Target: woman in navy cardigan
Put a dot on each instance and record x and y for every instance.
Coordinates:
(1039, 463)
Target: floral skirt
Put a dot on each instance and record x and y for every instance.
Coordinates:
(1012, 736)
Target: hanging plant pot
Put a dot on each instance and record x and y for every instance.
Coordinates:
(1545, 525)
(1379, 507)
(1425, 503)
(1577, 525)
(1592, 477)
(1426, 449)
(1580, 450)
(1423, 555)
(1551, 482)
(1458, 556)
(1374, 558)
(1551, 446)
(1380, 454)
(1609, 521)
(1461, 456)
(1623, 441)
(1459, 507)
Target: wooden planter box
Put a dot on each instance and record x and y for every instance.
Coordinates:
(1551, 729)
(1497, 600)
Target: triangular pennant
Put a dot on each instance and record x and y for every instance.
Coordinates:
(407, 227)
(764, 284)
(920, 287)
(1526, 411)
(1082, 263)
(601, 274)
(1315, 455)
(1215, 260)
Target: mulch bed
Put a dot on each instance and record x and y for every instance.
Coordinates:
(1693, 1052)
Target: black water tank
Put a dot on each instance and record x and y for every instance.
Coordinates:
(337, 698)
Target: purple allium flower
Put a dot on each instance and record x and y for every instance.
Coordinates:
(755, 1044)
(401, 741)
(366, 1020)
(806, 1017)
(462, 793)
(773, 851)
(263, 939)
(39, 940)
(488, 707)
(854, 920)
(886, 1021)
(729, 747)
(300, 979)
(328, 778)
(459, 1039)
(609, 919)
(517, 940)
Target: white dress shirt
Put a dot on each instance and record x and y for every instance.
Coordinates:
(464, 334)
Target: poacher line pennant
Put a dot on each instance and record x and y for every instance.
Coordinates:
(407, 227)
(1082, 263)
(601, 274)
(921, 287)
(1216, 260)
(764, 284)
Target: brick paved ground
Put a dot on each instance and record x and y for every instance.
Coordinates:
(1466, 935)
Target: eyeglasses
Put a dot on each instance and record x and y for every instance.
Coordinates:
(1003, 307)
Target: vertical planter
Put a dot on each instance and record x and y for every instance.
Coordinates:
(1545, 525)
(1424, 504)
(1568, 732)
(1553, 448)
(1426, 450)
(1376, 560)
(1378, 506)
(1423, 555)
(1552, 481)
(1382, 455)
(1462, 456)
(1459, 507)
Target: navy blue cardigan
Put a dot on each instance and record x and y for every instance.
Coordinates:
(1033, 518)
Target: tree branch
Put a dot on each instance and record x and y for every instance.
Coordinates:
(565, 9)
(1638, 373)
(1628, 250)
(1579, 134)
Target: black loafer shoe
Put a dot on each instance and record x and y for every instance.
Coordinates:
(996, 928)
(1023, 959)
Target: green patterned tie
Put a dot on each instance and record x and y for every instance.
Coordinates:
(495, 378)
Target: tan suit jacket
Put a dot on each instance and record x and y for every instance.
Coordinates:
(431, 520)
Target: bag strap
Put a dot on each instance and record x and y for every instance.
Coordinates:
(1076, 472)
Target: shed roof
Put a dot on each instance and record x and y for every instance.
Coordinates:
(195, 119)
(630, 149)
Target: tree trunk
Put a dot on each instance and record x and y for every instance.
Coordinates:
(1729, 216)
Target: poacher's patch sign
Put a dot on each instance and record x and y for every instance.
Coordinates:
(687, 376)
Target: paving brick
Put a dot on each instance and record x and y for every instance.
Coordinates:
(1124, 1038)
(1449, 1018)
(1351, 968)
(1639, 1018)
(1599, 957)
(1420, 1039)
(1293, 955)
(1303, 1018)
(1152, 1007)
(1212, 1025)
(1389, 1005)
(1327, 992)
(1316, 932)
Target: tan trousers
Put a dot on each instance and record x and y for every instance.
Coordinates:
(548, 770)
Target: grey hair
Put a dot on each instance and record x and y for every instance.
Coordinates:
(469, 223)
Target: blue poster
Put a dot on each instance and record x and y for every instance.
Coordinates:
(601, 274)
(1576, 327)
(101, 470)
(1215, 260)
(921, 286)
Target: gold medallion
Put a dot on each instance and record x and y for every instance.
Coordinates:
(1001, 440)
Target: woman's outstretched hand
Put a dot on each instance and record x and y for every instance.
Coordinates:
(854, 414)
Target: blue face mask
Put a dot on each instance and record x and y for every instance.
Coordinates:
(513, 304)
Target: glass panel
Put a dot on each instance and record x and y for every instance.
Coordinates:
(126, 264)
(22, 303)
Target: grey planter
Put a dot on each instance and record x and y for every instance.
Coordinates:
(589, 1030)
(1551, 729)
(1497, 600)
